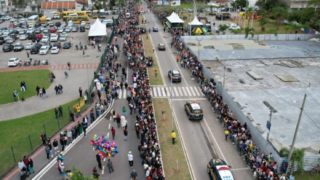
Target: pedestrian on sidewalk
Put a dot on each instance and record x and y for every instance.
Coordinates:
(91, 116)
(56, 89)
(50, 147)
(44, 93)
(37, 89)
(69, 65)
(80, 91)
(69, 136)
(226, 133)
(99, 161)
(43, 137)
(131, 107)
(14, 96)
(137, 130)
(155, 73)
(124, 110)
(110, 166)
(113, 132)
(27, 54)
(118, 120)
(60, 111)
(47, 150)
(55, 146)
(66, 74)
(133, 175)
(60, 89)
(173, 135)
(84, 127)
(30, 164)
(130, 159)
(78, 111)
(84, 54)
(125, 132)
(21, 164)
(26, 162)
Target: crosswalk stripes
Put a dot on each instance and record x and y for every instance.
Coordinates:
(151, 92)
(176, 91)
(192, 91)
(180, 91)
(155, 93)
(162, 90)
(159, 92)
(198, 94)
(168, 92)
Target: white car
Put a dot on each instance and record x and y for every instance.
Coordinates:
(56, 16)
(232, 27)
(44, 50)
(64, 34)
(61, 29)
(23, 37)
(45, 39)
(14, 61)
(5, 32)
(30, 31)
(54, 37)
(28, 46)
(55, 50)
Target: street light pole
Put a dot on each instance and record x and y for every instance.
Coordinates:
(270, 123)
(224, 70)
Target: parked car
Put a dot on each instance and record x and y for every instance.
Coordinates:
(54, 37)
(55, 50)
(56, 16)
(232, 27)
(57, 44)
(22, 31)
(44, 50)
(39, 36)
(68, 29)
(28, 46)
(88, 26)
(30, 30)
(34, 50)
(53, 30)
(2, 40)
(18, 47)
(44, 24)
(37, 31)
(14, 62)
(7, 47)
(82, 28)
(58, 23)
(75, 29)
(31, 36)
(10, 40)
(45, 39)
(51, 24)
(23, 37)
(66, 45)
(45, 30)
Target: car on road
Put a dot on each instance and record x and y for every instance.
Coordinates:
(58, 23)
(18, 47)
(45, 30)
(66, 45)
(193, 110)
(37, 31)
(22, 31)
(14, 62)
(28, 46)
(54, 37)
(55, 50)
(161, 47)
(7, 47)
(67, 29)
(51, 24)
(232, 27)
(82, 28)
(44, 50)
(23, 37)
(44, 24)
(88, 26)
(155, 29)
(5, 32)
(38, 36)
(218, 169)
(60, 29)
(30, 30)
(45, 39)
(56, 16)
(175, 75)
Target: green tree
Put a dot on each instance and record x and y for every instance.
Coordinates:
(297, 157)
(270, 4)
(274, 31)
(111, 3)
(287, 28)
(314, 3)
(236, 31)
(280, 14)
(249, 12)
(296, 26)
(284, 152)
(223, 27)
(249, 31)
(306, 15)
(78, 175)
(262, 22)
(239, 3)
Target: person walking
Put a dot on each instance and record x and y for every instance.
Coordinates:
(69, 65)
(14, 96)
(60, 111)
(84, 54)
(44, 93)
(125, 132)
(37, 89)
(110, 166)
(50, 148)
(43, 137)
(47, 150)
(118, 120)
(99, 161)
(130, 159)
(55, 146)
(27, 54)
(124, 110)
(137, 130)
(113, 132)
(226, 133)
(80, 91)
(78, 111)
(173, 135)
(69, 135)
(30, 164)
(131, 107)
(26, 162)
(133, 175)
(22, 86)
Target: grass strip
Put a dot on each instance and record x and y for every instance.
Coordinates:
(306, 176)
(23, 134)
(147, 45)
(10, 80)
(170, 153)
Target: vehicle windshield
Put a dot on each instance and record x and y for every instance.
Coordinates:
(11, 60)
(43, 48)
(17, 45)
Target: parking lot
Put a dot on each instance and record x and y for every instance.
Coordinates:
(65, 55)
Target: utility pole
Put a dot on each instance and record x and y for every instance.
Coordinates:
(296, 132)
(270, 123)
(224, 70)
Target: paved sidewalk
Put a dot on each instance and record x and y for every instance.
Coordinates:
(24, 68)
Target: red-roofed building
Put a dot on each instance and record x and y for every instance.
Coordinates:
(64, 5)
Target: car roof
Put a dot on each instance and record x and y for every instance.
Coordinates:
(175, 71)
(161, 44)
(195, 106)
(225, 172)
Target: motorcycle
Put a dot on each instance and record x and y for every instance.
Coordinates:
(25, 63)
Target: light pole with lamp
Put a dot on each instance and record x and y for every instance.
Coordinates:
(224, 70)
(88, 72)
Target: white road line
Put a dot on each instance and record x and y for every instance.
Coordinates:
(188, 91)
(189, 99)
(154, 91)
(200, 90)
(175, 91)
(109, 125)
(217, 145)
(184, 91)
(151, 92)
(192, 91)
(110, 117)
(124, 93)
(120, 94)
(163, 92)
(108, 135)
(180, 92)
(159, 91)
(197, 92)
(103, 167)
(168, 92)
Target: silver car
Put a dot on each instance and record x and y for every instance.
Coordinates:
(23, 37)
(28, 46)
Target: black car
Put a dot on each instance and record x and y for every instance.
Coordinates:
(51, 24)
(58, 24)
(161, 47)
(24, 26)
(37, 31)
(3, 28)
(1, 21)
(14, 32)
(175, 75)
(31, 36)
(82, 28)
(66, 45)
(37, 45)
(2, 40)
(34, 50)
(7, 47)
(57, 44)
(193, 110)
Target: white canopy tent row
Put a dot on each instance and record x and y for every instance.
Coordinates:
(195, 22)
(174, 18)
(97, 29)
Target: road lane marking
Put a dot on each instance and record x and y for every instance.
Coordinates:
(188, 91)
(163, 92)
(103, 167)
(150, 90)
(120, 94)
(109, 125)
(190, 99)
(154, 92)
(192, 91)
(179, 89)
(239, 169)
(159, 92)
(175, 91)
(197, 92)
(124, 93)
(168, 92)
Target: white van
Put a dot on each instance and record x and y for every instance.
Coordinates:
(127, 15)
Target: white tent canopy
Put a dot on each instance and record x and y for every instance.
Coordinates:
(174, 18)
(98, 29)
(195, 22)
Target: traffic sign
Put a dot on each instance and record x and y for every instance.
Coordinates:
(268, 125)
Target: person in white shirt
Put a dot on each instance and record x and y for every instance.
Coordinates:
(130, 158)
(21, 164)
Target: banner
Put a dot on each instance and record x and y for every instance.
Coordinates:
(175, 3)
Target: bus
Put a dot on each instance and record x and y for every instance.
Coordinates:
(95, 14)
(76, 19)
(89, 13)
(102, 13)
(80, 13)
(43, 19)
(33, 19)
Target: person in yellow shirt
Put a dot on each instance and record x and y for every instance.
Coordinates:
(173, 135)
(226, 133)
(78, 111)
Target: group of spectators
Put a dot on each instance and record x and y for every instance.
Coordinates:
(261, 164)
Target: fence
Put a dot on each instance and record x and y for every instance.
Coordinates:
(260, 37)
(10, 156)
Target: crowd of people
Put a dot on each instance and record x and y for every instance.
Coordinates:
(262, 165)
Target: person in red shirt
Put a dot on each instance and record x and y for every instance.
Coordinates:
(26, 162)
(149, 178)
(113, 131)
(95, 173)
